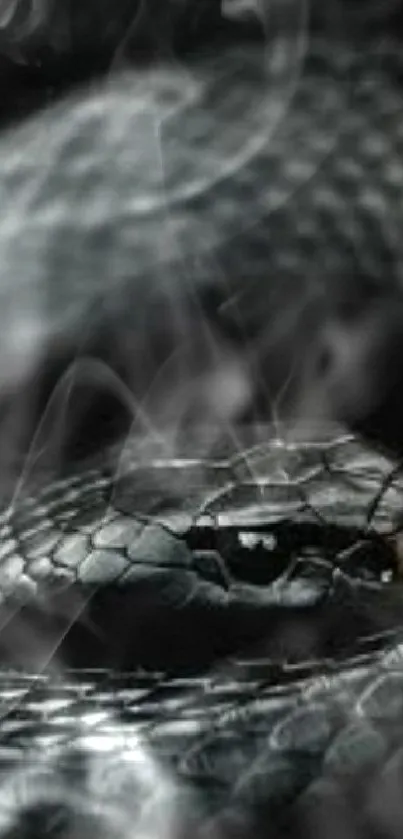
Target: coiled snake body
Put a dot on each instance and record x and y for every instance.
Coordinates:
(281, 576)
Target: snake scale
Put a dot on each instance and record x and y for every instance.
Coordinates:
(203, 642)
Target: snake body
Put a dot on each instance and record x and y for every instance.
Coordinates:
(269, 638)
(121, 203)
(178, 158)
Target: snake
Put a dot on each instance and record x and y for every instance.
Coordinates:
(203, 635)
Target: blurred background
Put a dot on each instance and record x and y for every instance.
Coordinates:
(304, 277)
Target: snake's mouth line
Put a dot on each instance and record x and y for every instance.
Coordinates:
(112, 728)
(286, 528)
(201, 586)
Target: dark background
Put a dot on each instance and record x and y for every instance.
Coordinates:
(43, 52)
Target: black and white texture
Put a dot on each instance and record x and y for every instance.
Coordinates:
(269, 638)
(173, 228)
(196, 234)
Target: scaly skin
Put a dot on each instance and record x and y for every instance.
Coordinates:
(314, 684)
(130, 196)
(277, 187)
